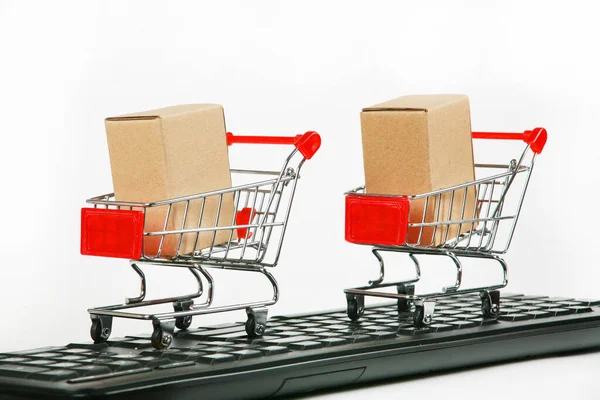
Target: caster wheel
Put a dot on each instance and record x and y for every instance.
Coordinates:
(183, 305)
(254, 329)
(183, 322)
(99, 333)
(160, 340)
(489, 309)
(356, 307)
(420, 318)
(405, 304)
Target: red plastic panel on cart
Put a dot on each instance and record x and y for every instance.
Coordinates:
(243, 218)
(381, 220)
(112, 233)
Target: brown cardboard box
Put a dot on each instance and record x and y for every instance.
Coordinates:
(167, 153)
(416, 144)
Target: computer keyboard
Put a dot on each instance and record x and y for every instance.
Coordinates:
(304, 352)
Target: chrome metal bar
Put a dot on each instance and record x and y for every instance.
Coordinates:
(253, 172)
(130, 300)
(185, 212)
(215, 228)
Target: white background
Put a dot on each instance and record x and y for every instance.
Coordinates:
(283, 68)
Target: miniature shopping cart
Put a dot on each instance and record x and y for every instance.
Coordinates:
(476, 219)
(253, 239)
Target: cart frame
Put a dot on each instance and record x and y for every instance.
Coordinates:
(234, 254)
(460, 247)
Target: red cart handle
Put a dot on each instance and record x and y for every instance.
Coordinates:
(307, 144)
(536, 138)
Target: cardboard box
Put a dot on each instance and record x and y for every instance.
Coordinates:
(416, 144)
(167, 153)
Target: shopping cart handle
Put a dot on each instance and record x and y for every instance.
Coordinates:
(536, 138)
(307, 144)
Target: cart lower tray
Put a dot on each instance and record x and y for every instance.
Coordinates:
(303, 353)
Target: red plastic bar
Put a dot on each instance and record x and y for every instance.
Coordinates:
(231, 139)
(535, 138)
(307, 143)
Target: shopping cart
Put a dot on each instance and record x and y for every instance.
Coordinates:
(475, 220)
(254, 237)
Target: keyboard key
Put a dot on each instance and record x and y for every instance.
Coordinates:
(318, 318)
(291, 339)
(88, 345)
(55, 375)
(411, 330)
(444, 320)
(306, 345)
(337, 327)
(539, 314)
(358, 338)
(76, 351)
(14, 360)
(70, 358)
(35, 351)
(65, 365)
(177, 365)
(441, 327)
(480, 321)
(559, 299)
(186, 355)
(93, 369)
(19, 371)
(561, 311)
(507, 311)
(589, 302)
(211, 333)
(134, 344)
(153, 361)
(40, 362)
(226, 325)
(214, 343)
(108, 376)
(215, 358)
(290, 333)
(580, 309)
(463, 324)
(329, 334)
(245, 354)
(569, 303)
(314, 330)
(284, 328)
(516, 317)
(272, 350)
(465, 316)
(122, 365)
(219, 349)
(335, 341)
(126, 356)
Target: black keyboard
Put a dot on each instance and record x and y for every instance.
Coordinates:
(302, 353)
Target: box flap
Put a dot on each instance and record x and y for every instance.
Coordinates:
(417, 102)
(164, 112)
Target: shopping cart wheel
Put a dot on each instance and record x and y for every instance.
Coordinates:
(404, 304)
(162, 337)
(256, 324)
(101, 328)
(423, 313)
(179, 306)
(356, 306)
(490, 304)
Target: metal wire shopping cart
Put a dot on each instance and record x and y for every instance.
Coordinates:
(449, 225)
(254, 237)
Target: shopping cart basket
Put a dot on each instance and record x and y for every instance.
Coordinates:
(449, 225)
(255, 236)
